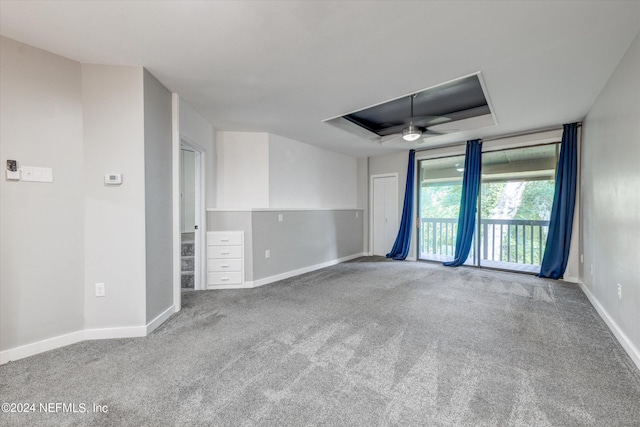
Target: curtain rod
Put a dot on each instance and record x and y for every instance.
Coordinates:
(495, 138)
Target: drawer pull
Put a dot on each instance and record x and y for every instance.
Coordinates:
(224, 240)
(225, 266)
(224, 279)
(224, 253)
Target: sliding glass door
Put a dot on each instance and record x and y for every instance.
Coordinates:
(513, 208)
(516, 197)
(440, 188)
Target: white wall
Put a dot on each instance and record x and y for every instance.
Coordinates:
(610, 206)
(41, 224)
(114, 231)
(304, 176)
(243, 170)
(196, 131)
(158, 197)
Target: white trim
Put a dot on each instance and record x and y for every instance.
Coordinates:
(236, 286)
(109, 333)
(622, 338)
(201, 245)
(40, 346)
(160, 319)
(476, 73)
(485, 92)
(570, 279)
(292, 273)
(84, 335)
(175, 173)
(200, 271)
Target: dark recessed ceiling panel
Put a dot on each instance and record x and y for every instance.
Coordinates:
(435, 110)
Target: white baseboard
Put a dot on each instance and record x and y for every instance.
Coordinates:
(84, 335)
(292, 273)
(40, 346)
(570, 279)
(110, 333)
(238, 286)
(160, 319)
(622, 338)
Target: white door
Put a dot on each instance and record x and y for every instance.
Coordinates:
(385, 214)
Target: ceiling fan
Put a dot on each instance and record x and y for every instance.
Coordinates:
(416, 129)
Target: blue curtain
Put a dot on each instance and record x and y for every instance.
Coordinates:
(556, 252)
(468, 202)
(401, 246)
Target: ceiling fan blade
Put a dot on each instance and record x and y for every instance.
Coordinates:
(428, 121)
(393, 130)
(432, 132)
(394, 139)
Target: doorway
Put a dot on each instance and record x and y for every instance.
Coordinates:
(190, 206)
(384, 212)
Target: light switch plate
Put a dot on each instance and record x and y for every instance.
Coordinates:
(100, 290)
(13, 175)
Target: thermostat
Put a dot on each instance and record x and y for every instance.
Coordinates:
(113, 179)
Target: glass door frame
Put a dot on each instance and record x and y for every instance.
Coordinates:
(476, 260)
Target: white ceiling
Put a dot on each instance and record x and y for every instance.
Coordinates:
(285, 66)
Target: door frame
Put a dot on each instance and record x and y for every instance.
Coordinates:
(200, 214)
(371, 178)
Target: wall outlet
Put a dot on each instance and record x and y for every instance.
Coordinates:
(581, 258)
(357, 214)
(267, 253)
(280, 217)
(591, 269)
(619, 291)
(100, 290)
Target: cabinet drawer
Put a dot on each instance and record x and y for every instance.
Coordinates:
(224, 252)
(224, 239)
(224, 265)
(225, 278)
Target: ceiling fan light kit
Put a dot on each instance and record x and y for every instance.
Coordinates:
(411, 133)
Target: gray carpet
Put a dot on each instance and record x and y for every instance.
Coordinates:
(360, 344)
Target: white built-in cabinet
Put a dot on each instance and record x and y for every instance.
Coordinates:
(225, 259)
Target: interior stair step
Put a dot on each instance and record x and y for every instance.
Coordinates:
(187, 279)
(187, 248)
(188, 263)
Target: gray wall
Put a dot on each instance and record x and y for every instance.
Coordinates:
(304, 238)
(198, 132)
(362, 202)
(41, 224)
(114, 232)
(158, 196)
(610, 203)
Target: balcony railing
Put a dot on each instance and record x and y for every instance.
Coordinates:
(502, 240)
